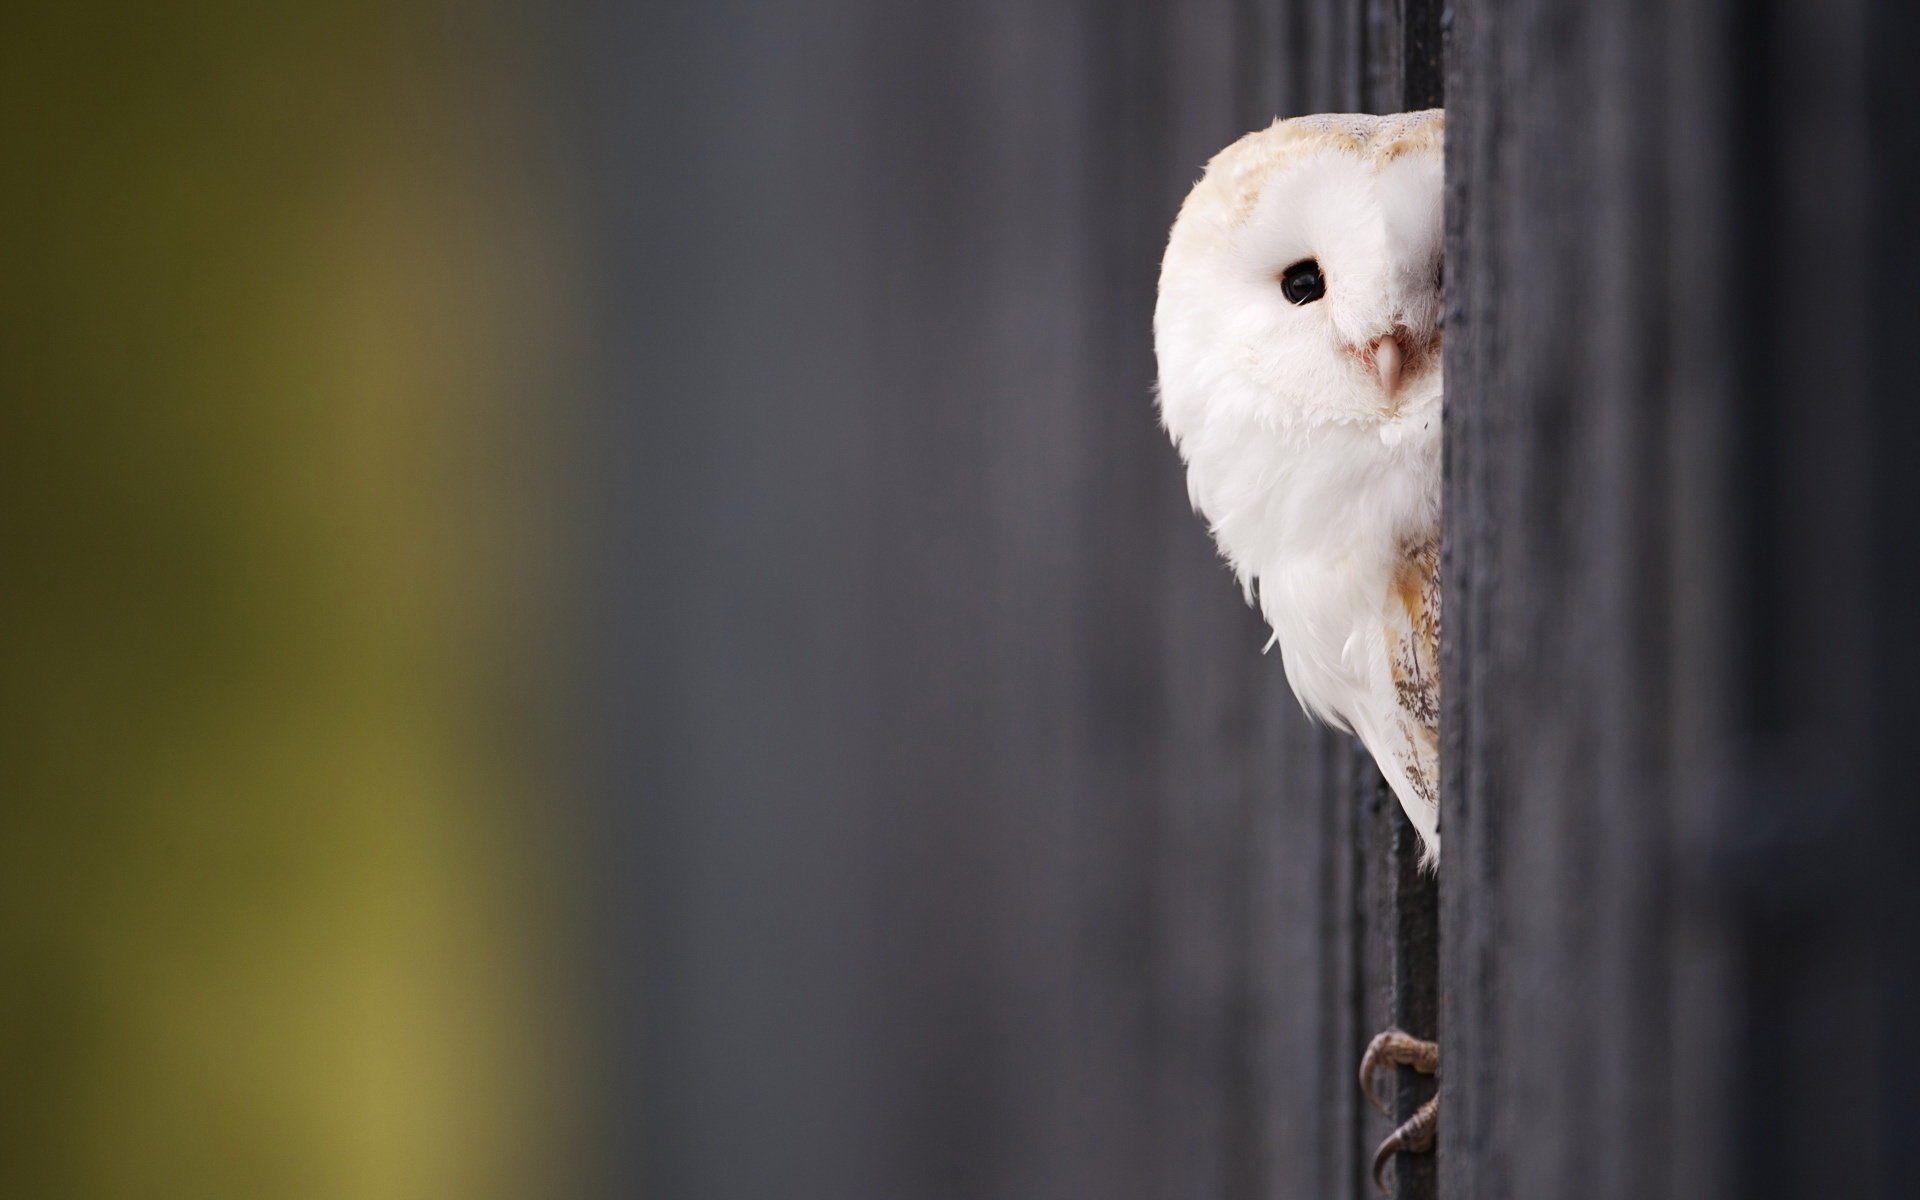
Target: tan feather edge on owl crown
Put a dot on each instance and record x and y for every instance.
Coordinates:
(1242, 168)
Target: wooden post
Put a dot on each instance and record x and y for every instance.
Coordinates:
(1677, 934)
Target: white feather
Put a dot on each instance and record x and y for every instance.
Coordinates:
(1311, 477)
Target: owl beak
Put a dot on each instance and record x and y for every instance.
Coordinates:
(1388, 359)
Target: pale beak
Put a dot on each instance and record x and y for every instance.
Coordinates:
(1388, 359)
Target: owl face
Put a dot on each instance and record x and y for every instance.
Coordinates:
(1302, 282)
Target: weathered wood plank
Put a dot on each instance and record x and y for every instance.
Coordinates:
(1673, 573)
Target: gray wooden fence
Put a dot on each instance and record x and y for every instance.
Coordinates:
(958, 841)
(1678, 936)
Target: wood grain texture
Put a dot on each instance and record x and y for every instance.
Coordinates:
(1671, 961)
(1560, 952)
(1403, 73)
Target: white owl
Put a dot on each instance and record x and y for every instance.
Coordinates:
(1298, 333)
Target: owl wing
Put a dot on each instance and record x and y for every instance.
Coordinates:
(1411, 617)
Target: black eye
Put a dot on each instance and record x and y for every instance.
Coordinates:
(1302, 282)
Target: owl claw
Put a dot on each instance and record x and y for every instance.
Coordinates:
(1414, 1137)
(1395, 1047)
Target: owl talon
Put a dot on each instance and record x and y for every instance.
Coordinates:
(1414, 1137)
(1395, 1048)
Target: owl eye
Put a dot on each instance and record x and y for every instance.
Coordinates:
(1302, 282)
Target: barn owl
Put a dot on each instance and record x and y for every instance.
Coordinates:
(1298, 334)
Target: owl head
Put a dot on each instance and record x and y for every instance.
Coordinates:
(1301, 283)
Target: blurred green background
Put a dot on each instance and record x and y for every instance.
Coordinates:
(281, 916)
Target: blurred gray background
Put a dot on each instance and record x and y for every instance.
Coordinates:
(968, 866)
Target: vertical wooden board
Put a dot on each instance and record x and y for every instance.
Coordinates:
(1894, 148)
(1812, 971)
(1470, 1161)
(1538, 648)
(1412, 70)
(1661, 959)
(1495, 994)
